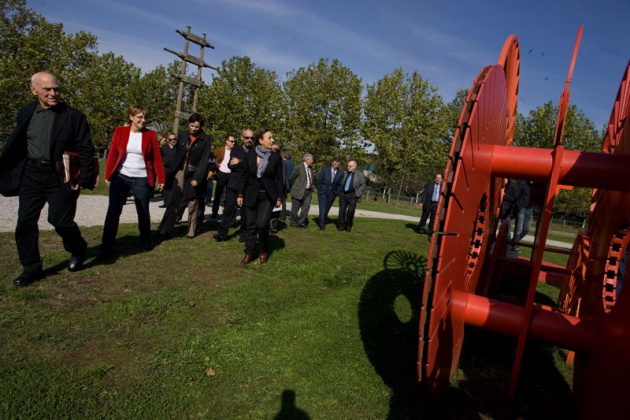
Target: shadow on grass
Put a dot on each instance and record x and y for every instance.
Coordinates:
(389, 312)
(288, 409)
(388, 320)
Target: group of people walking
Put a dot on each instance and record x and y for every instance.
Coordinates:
(255, 176)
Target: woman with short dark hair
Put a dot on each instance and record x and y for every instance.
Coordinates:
(261, 190)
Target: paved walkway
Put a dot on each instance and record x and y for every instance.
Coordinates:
(91, 210)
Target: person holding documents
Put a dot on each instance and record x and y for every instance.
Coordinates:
(31, 167)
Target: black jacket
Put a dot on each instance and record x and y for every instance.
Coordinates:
(70, 132)
(271, 180)
(196, 156)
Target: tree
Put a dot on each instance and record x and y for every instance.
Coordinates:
(324, 111)
(405, 120)
(157, 91)
(242, 95)
(538, 130)
(29, 44)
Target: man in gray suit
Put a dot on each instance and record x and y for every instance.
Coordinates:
(328, 183)
(350, 192)
(301, 184)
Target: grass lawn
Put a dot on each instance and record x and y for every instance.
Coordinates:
(328, 328)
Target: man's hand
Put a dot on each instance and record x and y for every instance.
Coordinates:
(160, 187)
(194, 183)
(239, 201)
(234, 161)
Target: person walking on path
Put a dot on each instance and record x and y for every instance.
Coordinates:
(32, 168)
(428, 203)
(350, 193)
(328, 184)
(133, 163)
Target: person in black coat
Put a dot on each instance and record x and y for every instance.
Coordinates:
(196, 180)
(191, 166)
(169, 159)
(328, 184)
(236, 165)
(31, 167)
(428, 202)
(260, 191)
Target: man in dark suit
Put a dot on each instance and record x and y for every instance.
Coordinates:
(301, 184)
(186, 139)
(350, 193)
(428, 202)
(31, 167)
(236, 166)
(328, 184)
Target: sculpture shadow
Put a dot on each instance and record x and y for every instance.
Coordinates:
(389, 310)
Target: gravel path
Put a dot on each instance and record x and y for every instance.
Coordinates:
(91, 211)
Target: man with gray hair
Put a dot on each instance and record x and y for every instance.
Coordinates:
(32, 168)
(301, 184)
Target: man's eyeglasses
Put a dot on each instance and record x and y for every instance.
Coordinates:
(248, 138)
(231, 141)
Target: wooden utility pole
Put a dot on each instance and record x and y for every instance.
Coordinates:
(183, 79)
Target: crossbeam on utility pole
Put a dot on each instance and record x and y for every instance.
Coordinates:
(183, 78)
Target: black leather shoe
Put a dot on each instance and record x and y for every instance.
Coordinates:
(348, 228)
(219, 238)
(76, 262)
(341, 229)
(28, 277)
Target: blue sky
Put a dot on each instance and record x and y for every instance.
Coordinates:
(446, 41)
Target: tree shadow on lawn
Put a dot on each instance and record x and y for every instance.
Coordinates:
(389, 312)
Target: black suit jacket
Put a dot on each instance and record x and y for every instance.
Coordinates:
(198, 157)
(70, 132)
(271, 179)
(234, 182)
(324, 182)
(427, 195)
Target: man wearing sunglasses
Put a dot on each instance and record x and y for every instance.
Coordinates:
(235, 164)
(222, 158)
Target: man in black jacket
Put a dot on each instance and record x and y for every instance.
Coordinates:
(236, 165)
(31, 167)
(428, 203)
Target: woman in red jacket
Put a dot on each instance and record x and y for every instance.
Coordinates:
(133, 162)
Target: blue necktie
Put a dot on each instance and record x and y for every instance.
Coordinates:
(436, 192)
(348, 181)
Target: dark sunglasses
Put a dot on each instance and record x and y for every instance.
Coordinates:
(248, 138)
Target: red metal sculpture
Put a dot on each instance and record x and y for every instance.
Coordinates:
(464, 270)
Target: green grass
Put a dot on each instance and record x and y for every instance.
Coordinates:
(329, 326)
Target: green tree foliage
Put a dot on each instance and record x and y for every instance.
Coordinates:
(538, 130)
(28, 44)
(105, 94)
(242, 95)
(453, 111)
(405, 120)
(324, 112)
(157, 91)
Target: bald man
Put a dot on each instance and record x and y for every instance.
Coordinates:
(31, 167)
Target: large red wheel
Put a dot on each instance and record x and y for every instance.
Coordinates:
(467, 217)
